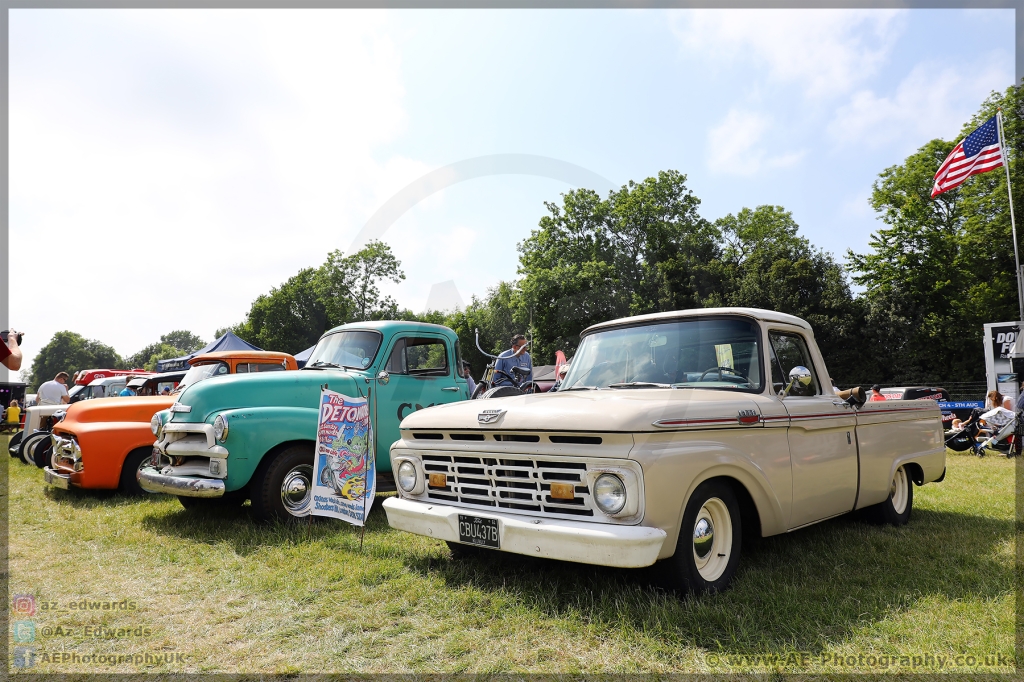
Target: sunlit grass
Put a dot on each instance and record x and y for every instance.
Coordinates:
(231, 595)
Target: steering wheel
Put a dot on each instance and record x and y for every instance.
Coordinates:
(720, 370)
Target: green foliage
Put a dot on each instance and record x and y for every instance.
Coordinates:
(344, 289)
(163, 351)
(943, 267)
(70, 352)
(184, 340)
(641, 250)
(768, 265)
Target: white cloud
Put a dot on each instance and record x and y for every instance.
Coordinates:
(733, 146)
(931, 101)
(171, 166)
(826, 52)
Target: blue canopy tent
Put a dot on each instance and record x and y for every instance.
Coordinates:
(227, 342)
(303, 357)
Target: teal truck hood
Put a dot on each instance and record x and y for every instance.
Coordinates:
(269, 389)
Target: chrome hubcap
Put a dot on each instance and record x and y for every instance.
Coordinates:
(703, 537)
(712, 539)
(295, 490)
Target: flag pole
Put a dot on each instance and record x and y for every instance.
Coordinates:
(1013, 222)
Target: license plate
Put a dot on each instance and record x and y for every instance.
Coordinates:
(474, 530)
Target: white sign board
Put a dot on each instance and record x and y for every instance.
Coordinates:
(345, 475)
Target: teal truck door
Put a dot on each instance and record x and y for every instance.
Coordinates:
(422, 369)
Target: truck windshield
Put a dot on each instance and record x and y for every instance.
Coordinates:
(197, 373)
(354, 349)
(701, 353)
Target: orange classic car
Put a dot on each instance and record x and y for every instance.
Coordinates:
(100, 444)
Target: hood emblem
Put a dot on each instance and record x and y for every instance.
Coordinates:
(489, 416)
(748, 417)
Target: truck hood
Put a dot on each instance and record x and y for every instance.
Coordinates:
(625, 410)
(127, 409)
(267, 389)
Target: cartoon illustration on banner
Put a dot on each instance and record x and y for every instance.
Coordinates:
(344, 482)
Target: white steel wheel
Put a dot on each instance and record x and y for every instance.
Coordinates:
(898, 492)
(712, 539)
(709, 545)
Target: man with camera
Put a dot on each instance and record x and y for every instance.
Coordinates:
(10, 349)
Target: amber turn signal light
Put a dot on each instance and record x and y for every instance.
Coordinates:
(438, 480)
(563, 491)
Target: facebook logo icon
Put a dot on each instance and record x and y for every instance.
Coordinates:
(24, 656)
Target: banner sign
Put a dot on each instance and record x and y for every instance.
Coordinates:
(961, 404)
(345, 475)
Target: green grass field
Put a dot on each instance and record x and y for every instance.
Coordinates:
(220, 593)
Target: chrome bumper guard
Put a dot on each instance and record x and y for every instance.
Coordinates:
(152, 481)
(56, 479)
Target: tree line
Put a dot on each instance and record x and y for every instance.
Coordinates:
(936, 271)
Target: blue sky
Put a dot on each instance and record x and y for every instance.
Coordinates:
(178, 163)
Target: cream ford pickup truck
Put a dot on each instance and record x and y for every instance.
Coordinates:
(672, 437)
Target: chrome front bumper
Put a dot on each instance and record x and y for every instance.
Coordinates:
(587, 543)
(152, 481)
(56, 479)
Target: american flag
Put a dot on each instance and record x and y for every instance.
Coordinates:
(977, 153)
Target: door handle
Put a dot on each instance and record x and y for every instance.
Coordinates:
(450, 388)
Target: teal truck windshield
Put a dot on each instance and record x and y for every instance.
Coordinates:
(354, 349)
(699, 353)
(197, 373)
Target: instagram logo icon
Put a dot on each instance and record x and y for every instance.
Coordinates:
(24, 604)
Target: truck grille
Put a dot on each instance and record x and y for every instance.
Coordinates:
(515, 483)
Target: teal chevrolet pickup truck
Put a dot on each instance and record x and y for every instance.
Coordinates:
(252, 436)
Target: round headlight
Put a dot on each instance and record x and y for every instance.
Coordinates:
(407, 475)
(220, 428)
(155, 424)
(609, 493)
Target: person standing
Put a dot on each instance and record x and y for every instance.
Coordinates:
(127, 391)
(54, 392)
(467, 374)
(516, 356)
(876, 394)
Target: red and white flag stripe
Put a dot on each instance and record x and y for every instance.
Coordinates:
(957, 167)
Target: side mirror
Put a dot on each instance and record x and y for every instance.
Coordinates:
(383, 377)
(799, 375)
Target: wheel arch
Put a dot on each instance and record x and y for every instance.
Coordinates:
(760, 516)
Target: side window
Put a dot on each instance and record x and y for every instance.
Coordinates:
(265, 367)
(242, 368)
(420, 356)
(788, 351)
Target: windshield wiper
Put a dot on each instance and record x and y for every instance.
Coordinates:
(323, 363)
(639, 384)
(578, 388)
